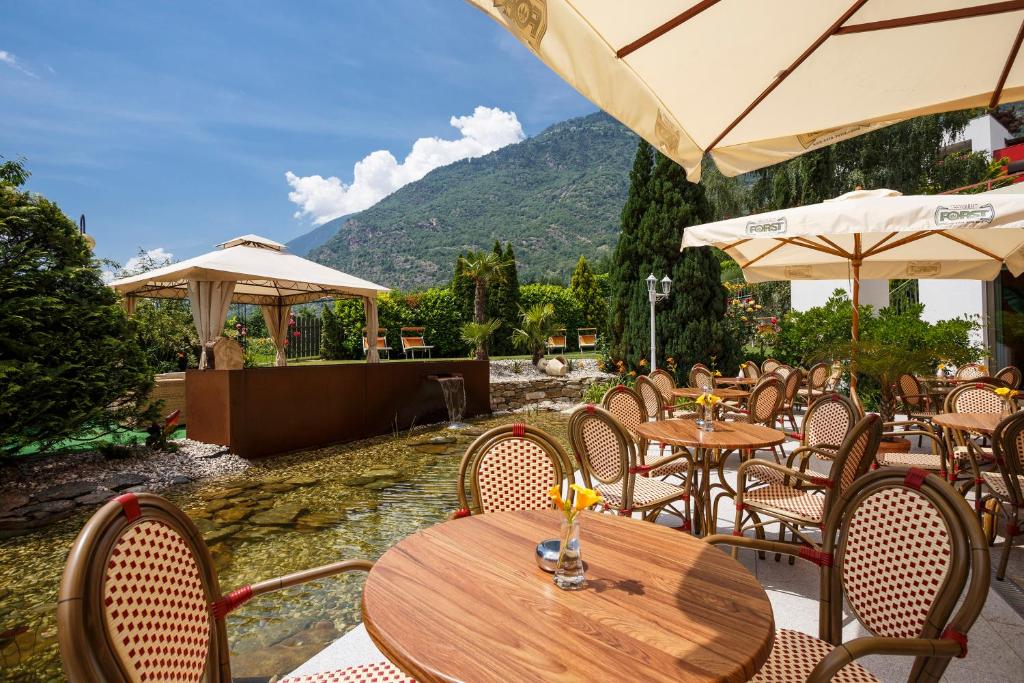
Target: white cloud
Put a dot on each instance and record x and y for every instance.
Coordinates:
(379, 174)
(12, 61)
(145, 260)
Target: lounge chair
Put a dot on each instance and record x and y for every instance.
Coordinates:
(586, 337)
(556, 342)
(413, 341)
(382, 342)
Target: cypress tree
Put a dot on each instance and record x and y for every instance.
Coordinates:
(690, 326)
(463, 287)
(624, 275)
(503, 301)
(585, 289)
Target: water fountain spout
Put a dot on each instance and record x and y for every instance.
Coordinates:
(453, 387)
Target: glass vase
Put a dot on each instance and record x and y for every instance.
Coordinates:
(709, 419)
(569, 571)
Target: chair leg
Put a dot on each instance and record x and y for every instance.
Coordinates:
(782, 539)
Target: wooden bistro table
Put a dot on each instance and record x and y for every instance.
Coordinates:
(736, 381)
(707, 449)
(721, 392)
(465, 601)
(976, 423)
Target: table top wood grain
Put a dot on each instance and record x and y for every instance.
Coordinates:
(721, 392)
(465, 601)
(979, 423)
(736, 381)
(685, 432)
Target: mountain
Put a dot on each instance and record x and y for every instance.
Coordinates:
(554, 196)
(303, 244)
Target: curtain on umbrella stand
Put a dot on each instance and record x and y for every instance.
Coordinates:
(277, 325)
(370, 307)
(210, 301)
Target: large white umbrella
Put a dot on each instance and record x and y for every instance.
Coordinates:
(254, 270)
(756, 82)
(875, 234)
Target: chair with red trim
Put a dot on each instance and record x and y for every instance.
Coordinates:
(963, 447)
(629, 408)
(902, 549)
(511, 468)
(791, 380)
(918, 401)
(702, 378)
(1011, 375)
(1006, 486)
(140, 601)
(971, 371)
(802, 500)
(665, 383)
(750, 369)
(769, 365)
(816, 379)
(608, 462)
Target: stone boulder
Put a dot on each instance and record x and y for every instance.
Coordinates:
(556, 368)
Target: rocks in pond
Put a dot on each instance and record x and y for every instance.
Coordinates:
(215, 535)
(222, 556)
(282, 515)
(319, 520)
(277, 488)
(472, 431)
(135, 489)
(100, 495)
(47, 508)
(13, 500)
(204, 525)
(262, 496)
(177, 478)
(217, 505)
(67, 491)
(233, 514)
(285, 655)
(220, 493)
(302, 480)
(380, 485)
(122, 481)
(372, 476)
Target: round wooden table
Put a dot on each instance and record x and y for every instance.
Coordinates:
(736, 381)
(721, 392)
(708, 447)
(465, 601)
(977, 423)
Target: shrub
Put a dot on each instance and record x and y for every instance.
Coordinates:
(568, 311)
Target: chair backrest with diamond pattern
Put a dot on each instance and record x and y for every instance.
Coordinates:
(1011, 375)
(910, 390)
(817, 377)
(628, 408)
(1008, 451)
(604, 449)
(828, 421)
(903, 548)
(651, 396)
(971, 371)
(854, 457)
(135, 597)
(979, 397)
(791, 380)
(765, 401)
(751, 370)
(701, 378)
(665, 383)
(511, 468)
(769, 365)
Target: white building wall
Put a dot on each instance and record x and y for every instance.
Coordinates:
(810, 293)
(985, 133)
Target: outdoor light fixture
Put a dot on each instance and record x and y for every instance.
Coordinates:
(654, 297)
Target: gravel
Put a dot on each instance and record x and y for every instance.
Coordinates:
(525, 371)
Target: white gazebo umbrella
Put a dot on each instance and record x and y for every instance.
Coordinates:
(253, 270)
(875, 234)
(757, 82)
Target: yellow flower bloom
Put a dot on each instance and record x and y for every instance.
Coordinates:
(1007, 392)
(743, 366)
(708, 400)
(717, 373)
(632, 373)
(743, 318)
(585, 498)
(555, 494)
(643, 363)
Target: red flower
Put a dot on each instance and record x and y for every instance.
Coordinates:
(774, 320)
(296, 333)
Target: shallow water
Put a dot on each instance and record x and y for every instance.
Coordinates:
(320, 519)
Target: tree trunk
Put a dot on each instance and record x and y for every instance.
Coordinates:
(537, 355)
(479, 308)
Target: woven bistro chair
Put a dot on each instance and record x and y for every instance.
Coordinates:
(657, 396)
(791, 382)
(140, 601)
(769, 365)
(1011, 375)
(1006, 486)
(973, 397)
(608, 461)
(920, 402)
(665, 383)
(629, 408)
(971, 371)
(511, 468)
(903, 551)
(751, 370)
(702, 378)
(803, 499)
(816, 379)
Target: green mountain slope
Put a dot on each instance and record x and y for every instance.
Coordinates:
(303, 244)
(554, 196)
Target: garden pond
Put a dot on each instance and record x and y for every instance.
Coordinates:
(285, 514)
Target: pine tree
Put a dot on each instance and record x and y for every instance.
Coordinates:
(624, 275)
(690, 325)
(584, 288)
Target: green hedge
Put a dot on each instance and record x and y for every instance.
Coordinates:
(568, 311)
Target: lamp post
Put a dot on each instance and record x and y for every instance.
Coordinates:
(654, 297)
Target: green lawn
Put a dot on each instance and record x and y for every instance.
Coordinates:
(318, 361)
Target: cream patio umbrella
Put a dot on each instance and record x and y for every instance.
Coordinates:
(254, 270)
(875, 235)
(757, 82)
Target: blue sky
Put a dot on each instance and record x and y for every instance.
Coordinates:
(172, 125)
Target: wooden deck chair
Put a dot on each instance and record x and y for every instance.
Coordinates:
(140, 601)
(382, 342)
(556, 342)
(413, 341)
(586, 337)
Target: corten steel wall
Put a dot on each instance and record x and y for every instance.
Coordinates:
(262, 411)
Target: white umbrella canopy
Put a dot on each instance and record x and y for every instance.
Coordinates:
(756, 83)
(263, 274)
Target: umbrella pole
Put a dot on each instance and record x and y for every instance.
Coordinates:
(855, 334)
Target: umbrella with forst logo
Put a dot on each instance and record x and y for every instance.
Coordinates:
(875, 235)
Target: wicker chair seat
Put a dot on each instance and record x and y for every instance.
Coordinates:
(795, 655)
(679, 466)
(994, 480)
(646, 492)
(787, 501)
(766, 475)
(984, 454)
(375, 672)
(924, 461)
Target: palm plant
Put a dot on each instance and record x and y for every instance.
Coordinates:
(483, 269)
(476, 335)
(538, 324)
